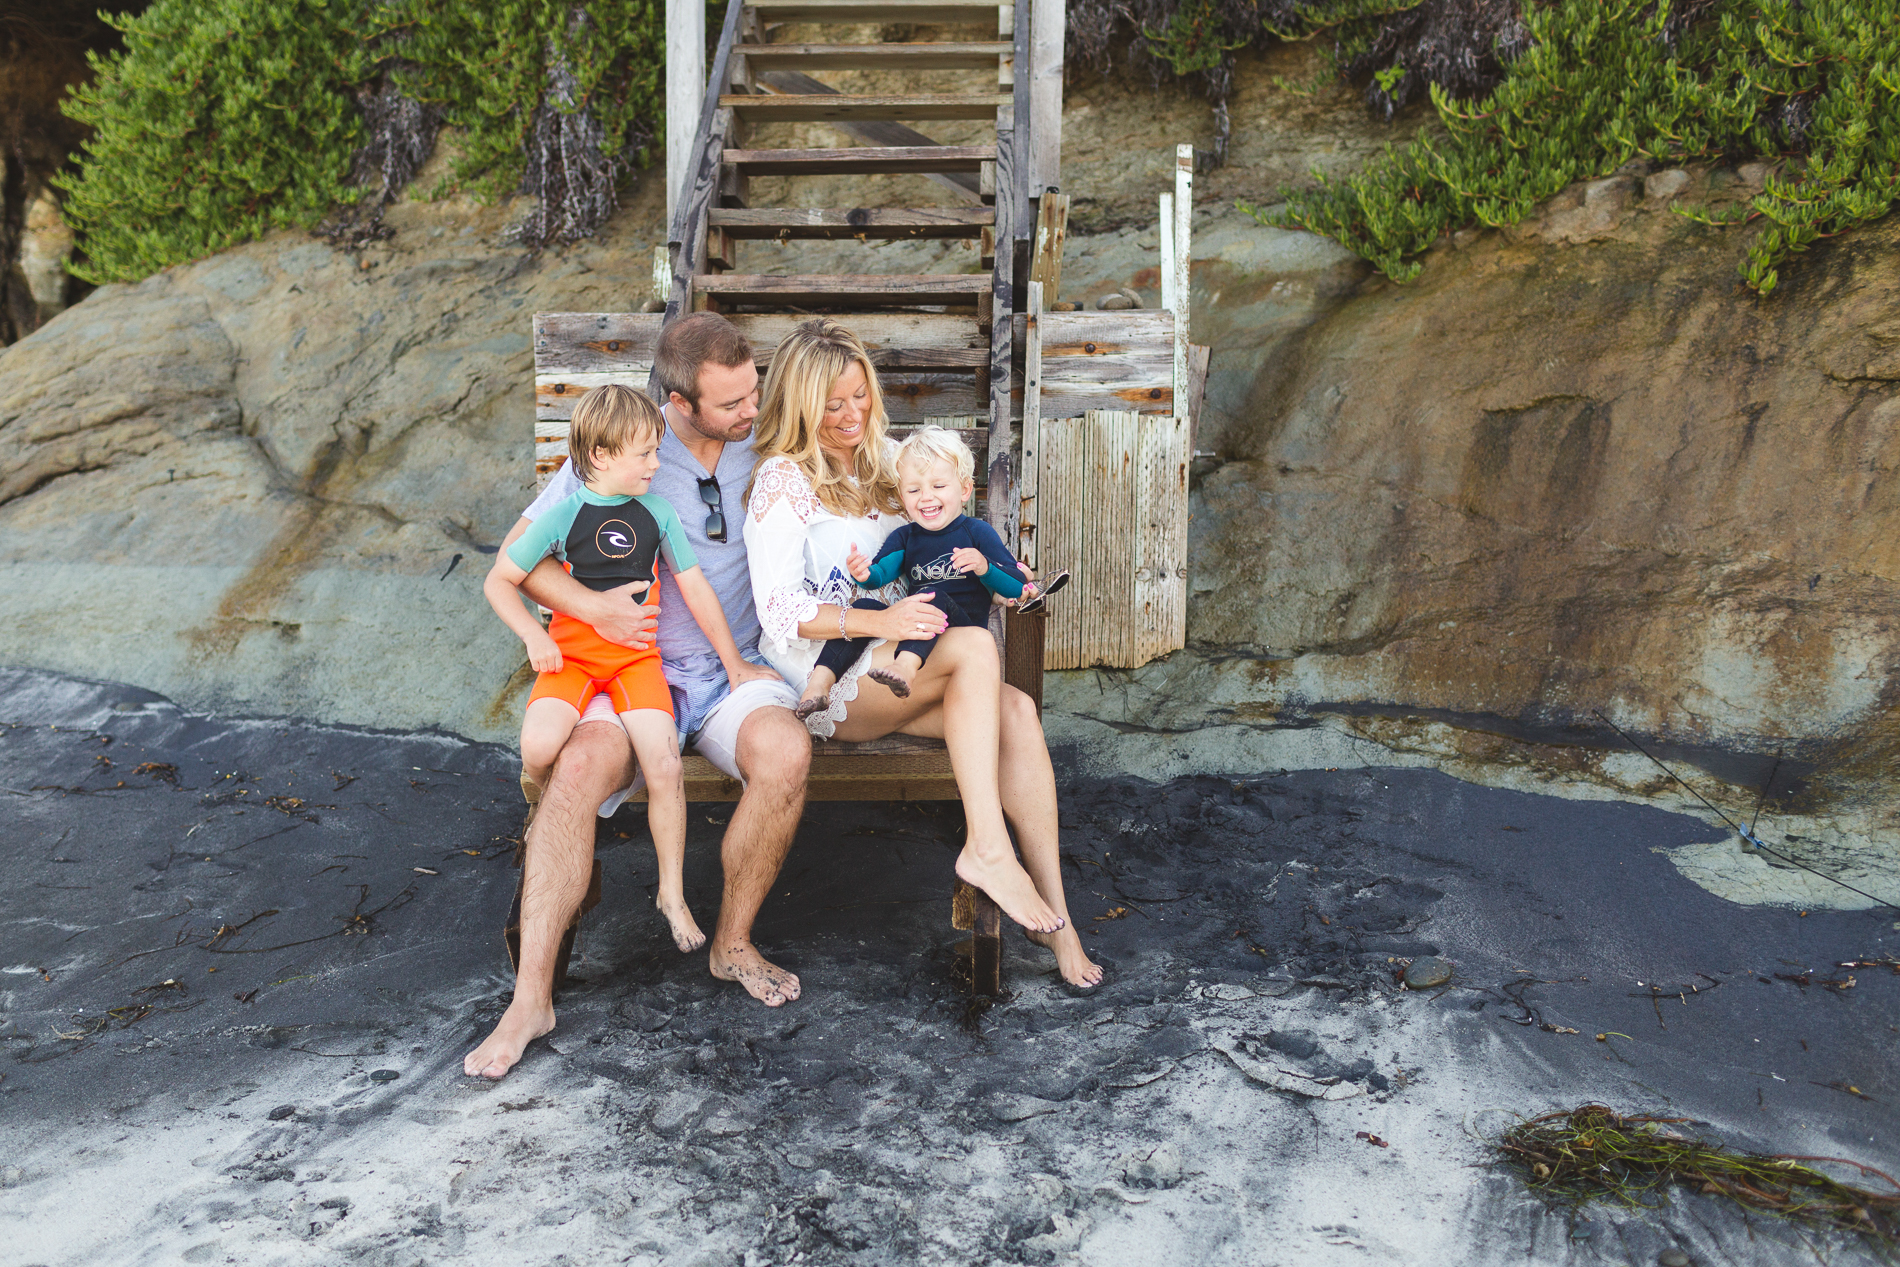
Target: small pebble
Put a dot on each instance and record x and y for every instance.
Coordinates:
(384, 1075)
(1583, 1231)
(1674, 1258)
(1423, 974)
(282, 1111)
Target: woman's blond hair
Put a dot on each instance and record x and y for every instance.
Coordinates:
(609, 417)
(797, 386)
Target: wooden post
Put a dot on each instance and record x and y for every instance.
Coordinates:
(1180, 450)
(1183, 258)
(1003, 511)
(972, 909)
(685, 87)
(1047, 22)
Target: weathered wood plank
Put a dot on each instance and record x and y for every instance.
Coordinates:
(1047, 23)
(1032, 424)
(1052, 232)
(922, 160)
(842, 289)
(1003, 507)
(910, 397)
(828, 108)
(859, 222)
(919, 12)
(608, 342)
(1198, 356)
(1183, 259)
(1058, 536)
(923, 55)
(1107, 333)
(685, 92)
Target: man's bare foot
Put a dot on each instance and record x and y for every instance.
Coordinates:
(686, 934)
(1071, 960)
(520, 1025)
(765, 981)
(889, 676)
(1010, 887)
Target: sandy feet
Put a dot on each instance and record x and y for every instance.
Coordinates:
(520, 1025)
(686, 934)
(1071, 960)
(763, 980)
(1010, 887)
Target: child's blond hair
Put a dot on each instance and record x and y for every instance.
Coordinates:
(611, 418)
(936, 444)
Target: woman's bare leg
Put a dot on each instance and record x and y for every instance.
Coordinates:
(1027, 783)
(957, 695)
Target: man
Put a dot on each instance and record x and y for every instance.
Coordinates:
(704, 365)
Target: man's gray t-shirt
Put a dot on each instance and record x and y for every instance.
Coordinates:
(692, 667)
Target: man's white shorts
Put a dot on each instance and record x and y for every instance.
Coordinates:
(718, 739)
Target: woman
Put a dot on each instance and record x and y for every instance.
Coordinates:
(826, 485)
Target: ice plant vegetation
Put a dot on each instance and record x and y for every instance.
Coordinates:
(1589, 85)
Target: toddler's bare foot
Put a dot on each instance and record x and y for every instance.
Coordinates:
(520, 1025)
(889, 676)
(1009, 886)
(763, 980)
(686, 934)
(809, 705)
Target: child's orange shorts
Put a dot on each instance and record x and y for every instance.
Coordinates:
(590, 664)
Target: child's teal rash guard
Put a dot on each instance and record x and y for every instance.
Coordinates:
(606, 541)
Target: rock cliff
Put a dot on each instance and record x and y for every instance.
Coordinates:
(1574, 467)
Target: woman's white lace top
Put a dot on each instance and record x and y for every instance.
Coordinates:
(797, 551)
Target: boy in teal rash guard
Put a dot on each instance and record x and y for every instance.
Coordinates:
(608, 532)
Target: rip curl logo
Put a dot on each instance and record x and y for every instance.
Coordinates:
(938, 569)
(615, 538)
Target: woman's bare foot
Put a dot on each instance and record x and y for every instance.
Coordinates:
(889, 676)
(1071, 960)
(520, 1025)
(686, 934)
(1010, 887)
(765, 981)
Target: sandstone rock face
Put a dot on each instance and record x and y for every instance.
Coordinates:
(1545, 479)
(272, 481)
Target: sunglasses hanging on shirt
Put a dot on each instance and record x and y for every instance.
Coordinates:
(716, 518)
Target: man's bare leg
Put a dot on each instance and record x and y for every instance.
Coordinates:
(596, 763)
(774, 755)
(1027, 781)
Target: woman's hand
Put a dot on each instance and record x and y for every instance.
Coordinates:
(856, 564)
(544, 654)
(912, 620)
(745, 671)
(970, 560)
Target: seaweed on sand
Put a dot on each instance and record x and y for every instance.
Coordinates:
(1592, 1153)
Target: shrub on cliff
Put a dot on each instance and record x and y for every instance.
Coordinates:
(1598, 83)
(220, 120)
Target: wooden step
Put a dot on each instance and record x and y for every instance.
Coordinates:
(917, 12)
(910, 56)
(763, 108)
(844, 289)
(832, 225)
(921, 160)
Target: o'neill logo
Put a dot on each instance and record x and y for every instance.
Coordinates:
(615, 539)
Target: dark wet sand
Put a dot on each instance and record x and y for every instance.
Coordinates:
(879, 1119)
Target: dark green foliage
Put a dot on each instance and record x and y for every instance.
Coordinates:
(222, 119)
(218, 121)
(1602, 82)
